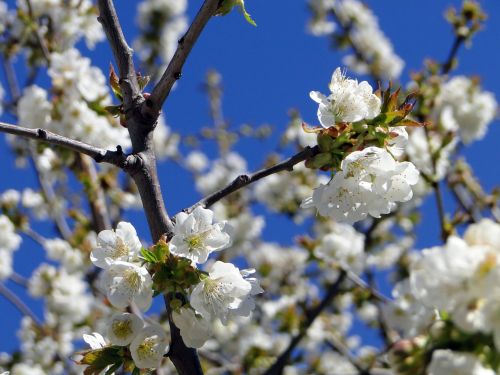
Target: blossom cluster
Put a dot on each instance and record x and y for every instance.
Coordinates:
(225, 292)
(453, 284)
(374, 52)
(369, 181)
(162, 23)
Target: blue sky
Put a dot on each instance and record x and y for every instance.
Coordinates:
(266, 71)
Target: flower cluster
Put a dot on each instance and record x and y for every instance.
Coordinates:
(375, 52)
(62, 23)
(162, 23)
(147, 342)
(9, 242)
(81, 88)
(369, 181)
(124, 279)
(464, 108)
(225, 292)
(452, 296)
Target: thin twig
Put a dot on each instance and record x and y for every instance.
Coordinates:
(95, 195)
(35, 236)
(54, 202)
(244, 180)
(448, 65)
(364, 285)
(11, 78)
(100, 155)
(174, 69)
(342, 349)
(38, 36)
(16, 301)
(18, 279)
(311, 315)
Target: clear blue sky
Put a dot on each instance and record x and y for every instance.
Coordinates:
(267, 70)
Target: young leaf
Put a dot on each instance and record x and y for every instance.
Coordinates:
(114, 82)
(228, 5)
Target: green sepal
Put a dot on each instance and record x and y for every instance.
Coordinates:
(142, 81)
(98, 359)
(321, 160)
(149, 256)
(325, 142)
(114, 110)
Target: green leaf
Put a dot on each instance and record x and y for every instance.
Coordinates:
(99, 359)
(228, 5)
(136, 371)
(149, 256)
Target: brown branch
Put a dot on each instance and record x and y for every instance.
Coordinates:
(186, 43)
(244, 180)
(311, 315)
(448, 65)
(100, 155)
(95, 195)
(121, 51)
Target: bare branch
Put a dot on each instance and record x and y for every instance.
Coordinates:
(311, 315)
(244, 180)
(55, 203)
(121, 51)
(186, 43)
(95, 195)
(100, 155)
(20, 305)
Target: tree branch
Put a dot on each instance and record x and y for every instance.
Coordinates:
(95, 195)
(311, 315)
(186, 43)
(244, 180)
(20, 305)
(100, 155)
(121, 51)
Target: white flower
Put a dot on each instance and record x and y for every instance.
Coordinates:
(122, 244)
(223, 291)
(196, 161)
(447, 362)
(370, 182)
(438, 279)
(421, 149)
(349, 101)
(9, 239)
(196, 236)
(123, 328)
(195, 330)
(34, 97)
(27, 369)
(344, 245)
(484, 233)
(125, 283)
(148, 347)
(10, 198)
(95, 340)
(462, 106)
